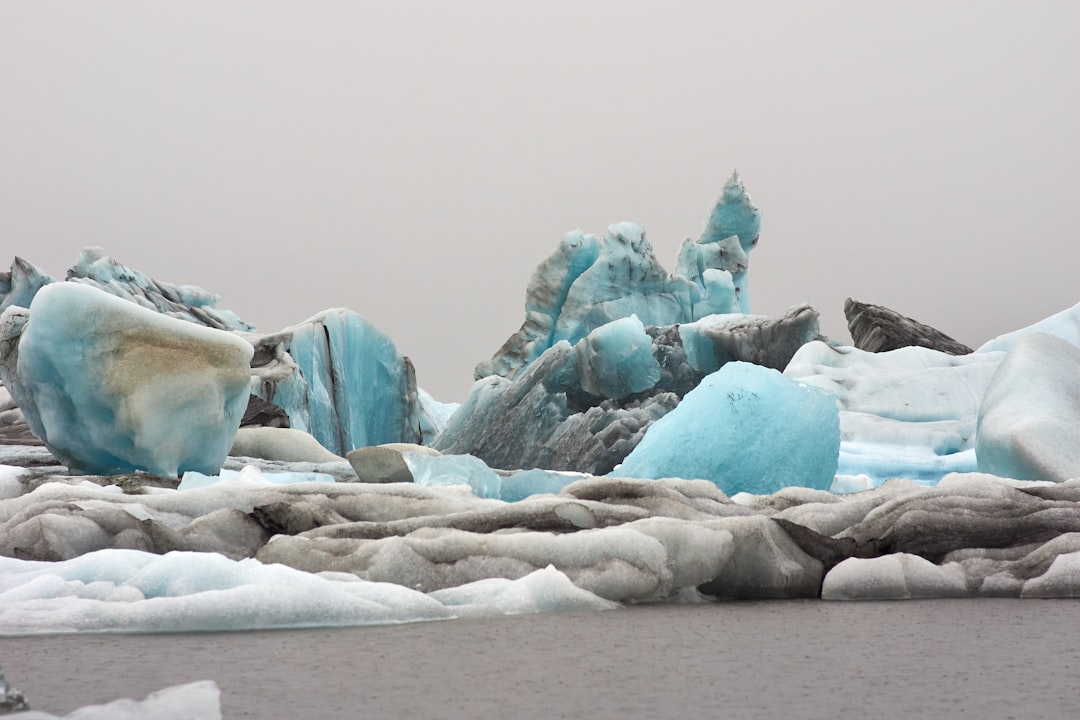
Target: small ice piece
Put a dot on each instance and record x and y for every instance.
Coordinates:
(11, 700)
(846, 484)
(434, 470)
(747, 429)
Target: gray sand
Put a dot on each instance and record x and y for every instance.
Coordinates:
(781, 659)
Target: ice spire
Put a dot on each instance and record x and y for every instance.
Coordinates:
(734, 214)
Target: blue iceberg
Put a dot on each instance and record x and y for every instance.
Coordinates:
(746, 429)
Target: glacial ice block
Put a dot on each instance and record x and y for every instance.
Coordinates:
(111, 387)
(747, 429)
(340, 378)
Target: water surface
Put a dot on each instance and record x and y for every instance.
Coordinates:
(982, 659)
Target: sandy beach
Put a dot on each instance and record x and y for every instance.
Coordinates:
(790, 659)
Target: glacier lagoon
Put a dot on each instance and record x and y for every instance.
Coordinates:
(783, 465)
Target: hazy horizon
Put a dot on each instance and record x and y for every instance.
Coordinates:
(415, 162)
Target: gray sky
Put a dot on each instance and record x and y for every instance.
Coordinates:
(414, 161)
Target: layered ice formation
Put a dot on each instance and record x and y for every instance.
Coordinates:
(642, 438)
(588, 282)
(111, 387)
(583, 408)
(352, 554)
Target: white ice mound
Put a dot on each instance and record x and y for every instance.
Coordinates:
(133, 591)
(200, 700)
(747, 429)
(900, 576)
(904, 413)
(112, 387)
(1029, 422)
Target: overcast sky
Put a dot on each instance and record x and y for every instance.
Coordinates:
(414, 161)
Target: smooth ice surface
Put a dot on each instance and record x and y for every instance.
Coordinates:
(192, 701)
(113, 387)
(340, 378)
(747, 429)
(1029, 421)
(133, 591)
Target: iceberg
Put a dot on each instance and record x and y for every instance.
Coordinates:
(583, 408)
(588, 282)
(111, 387)
(641, 439)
